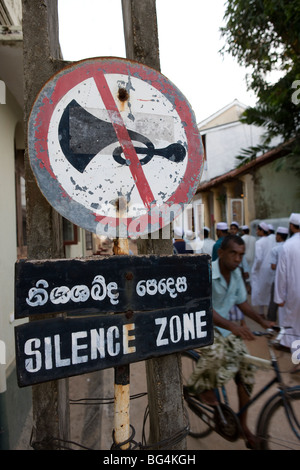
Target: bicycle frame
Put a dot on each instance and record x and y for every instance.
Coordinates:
(272, 363)
(292, 419)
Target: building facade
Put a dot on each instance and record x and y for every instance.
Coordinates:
(255, 191)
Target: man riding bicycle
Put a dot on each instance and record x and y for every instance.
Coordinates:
(223, 360)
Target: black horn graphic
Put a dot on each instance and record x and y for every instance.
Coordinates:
(82, 136)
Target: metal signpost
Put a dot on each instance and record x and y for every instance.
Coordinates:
(115, 149)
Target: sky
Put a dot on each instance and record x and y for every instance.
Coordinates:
(189, 43)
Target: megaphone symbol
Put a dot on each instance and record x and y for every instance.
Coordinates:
(82, 136)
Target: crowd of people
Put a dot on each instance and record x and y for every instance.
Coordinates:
(257, 277)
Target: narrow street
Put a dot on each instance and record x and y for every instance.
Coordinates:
(81, 424)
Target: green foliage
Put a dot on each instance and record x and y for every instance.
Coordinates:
(249, 154)
(264, 35)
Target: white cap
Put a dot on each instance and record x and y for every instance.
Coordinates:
(245, 227)
(270, 227)
(222, 226)
(294, 218)
(206, 228)
(282, 230)
(178, 232)
(264, 226)
(235, 223)
(189, 234)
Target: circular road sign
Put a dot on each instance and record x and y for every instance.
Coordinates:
(114, 147)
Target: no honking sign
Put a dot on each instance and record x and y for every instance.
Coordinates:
(114, 147)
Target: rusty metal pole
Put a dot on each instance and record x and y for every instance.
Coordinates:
(122, 406)
(122, 373)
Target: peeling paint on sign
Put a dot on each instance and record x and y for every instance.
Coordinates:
(107, 129)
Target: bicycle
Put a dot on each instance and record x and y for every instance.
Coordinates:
(283, 405)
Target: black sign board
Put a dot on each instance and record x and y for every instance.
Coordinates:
(165, 304)
(63, 347)
(114, 284)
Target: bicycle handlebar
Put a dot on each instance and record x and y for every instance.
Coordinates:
(272, 331)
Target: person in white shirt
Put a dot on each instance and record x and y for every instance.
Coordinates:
(249, 241)
(281, 236)
(261, 274)
(271, 238)
(287, 288)
(207, 244)
(192, 242)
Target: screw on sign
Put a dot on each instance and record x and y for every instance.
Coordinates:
(108, 133)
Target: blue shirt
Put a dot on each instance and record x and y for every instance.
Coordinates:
(225, 296)
(216, 247)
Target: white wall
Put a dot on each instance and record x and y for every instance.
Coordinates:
(224, 143)
(10, 115)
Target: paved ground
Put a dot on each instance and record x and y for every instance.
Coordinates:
(92, 425)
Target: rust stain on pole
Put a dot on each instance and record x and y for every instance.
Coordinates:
(121, 246)
(122, 406)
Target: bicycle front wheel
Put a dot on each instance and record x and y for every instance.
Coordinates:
(274, 427)
(198, 428)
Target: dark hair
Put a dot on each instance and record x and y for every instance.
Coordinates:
(260, 228)
(231, 238)
(283, 236)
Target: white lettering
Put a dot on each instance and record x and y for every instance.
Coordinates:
(77, 347)
(200, 324)
(98, 291)
(126, 338)
(176, 459)
(296, 94)
(163, 323)
(170, 289)
(170, 285)
(38, 295)
(296, 352)
(113, 348)
(48, 353)
(68, 349)
(59, 362)
(60, 295)
(33, 365)
(97, 343)
(175, 329)
(186, 327)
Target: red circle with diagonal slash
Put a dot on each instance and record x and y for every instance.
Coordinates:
(48, 99)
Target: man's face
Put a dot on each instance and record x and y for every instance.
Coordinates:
(232, 256)
(233, 229)
(259, 232)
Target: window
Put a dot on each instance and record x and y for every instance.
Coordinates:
(70, 233)
(199, 216)
(237, 210)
